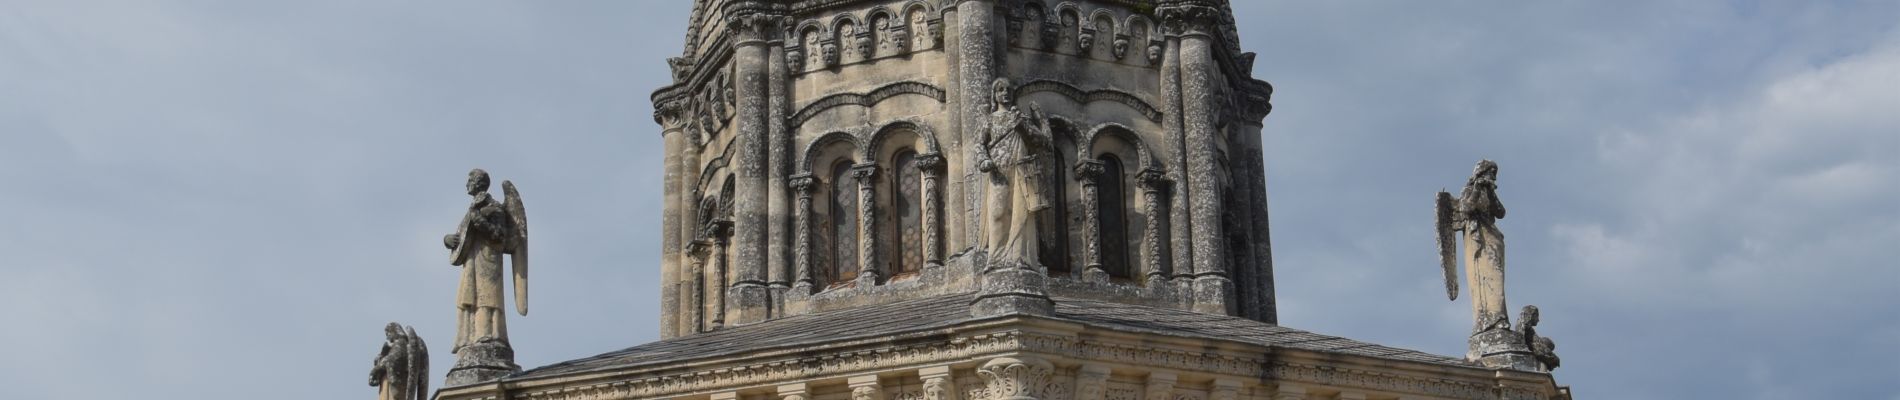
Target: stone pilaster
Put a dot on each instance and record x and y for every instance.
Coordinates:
(1181, 221)
(1091, 382)
(796, 391)
(1200, 113)
(931, 166)
(1288, 391)
(1224, 389)
(868, 240)
(802, 184)
(1016, 378)
(1160, 385)
(1087, 172)
(865, 387)
(751, 75)
(1154, 188)
(938, 383)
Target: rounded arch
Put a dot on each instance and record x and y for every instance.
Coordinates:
(1138, 24)
(838, 24)
(917, 6)
(1096, 139)
(817, 149)
(879, 12)
(812, 26)
(926, 141)
(1042, 11)
(1068, 8)
(1103, 14)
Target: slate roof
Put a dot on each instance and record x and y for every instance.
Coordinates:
(925, 317)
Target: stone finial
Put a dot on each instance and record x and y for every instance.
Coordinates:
(401, 368)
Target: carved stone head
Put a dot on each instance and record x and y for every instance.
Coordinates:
(1528, 317)
(1087, 42)
(1120, 48)
(1154, 53)
(477, 182)
(830, 51)
(999, 92)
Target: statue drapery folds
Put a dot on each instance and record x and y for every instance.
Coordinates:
(488, 230)
(1475, 213)
(401, 368)
(1013, 151)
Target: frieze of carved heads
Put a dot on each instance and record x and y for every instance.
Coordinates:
(1012, 378)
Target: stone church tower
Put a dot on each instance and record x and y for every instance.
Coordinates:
(835, 199)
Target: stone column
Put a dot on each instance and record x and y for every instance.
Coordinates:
(1016, 378)
(721, 251)
(751, 90)
(668, 115)
(1180, 221)
(802, 184)
(1154, 188)
(869, 242)
(698, 251)
(1087, 172)
(692, 306)
(976, 66)
(931, 166)
(938, 383)
(779, 234)
(1200, 113)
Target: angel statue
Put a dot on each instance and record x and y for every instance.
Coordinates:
(1009, 151)
(488, 230)
(401, 370)
(1475, 212)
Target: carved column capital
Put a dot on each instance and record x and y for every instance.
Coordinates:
(930, 163)
(1088, 170)
(802, 184)
(698, 250)
(1016, 378)
(1188, 18)
(754, 27)
(671, 114)
(1154, 179)
(864, 173)
(865, 388)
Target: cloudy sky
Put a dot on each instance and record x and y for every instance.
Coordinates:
(224, 199)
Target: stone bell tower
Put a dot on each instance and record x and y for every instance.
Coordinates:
(976, 200)
(824, 155)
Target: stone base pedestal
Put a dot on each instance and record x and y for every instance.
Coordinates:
(750, 303)
(1211, 293)
(1502, 348)
(1012, 289)
(483, 361)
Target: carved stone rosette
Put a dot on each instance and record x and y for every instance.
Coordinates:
(1016, 378)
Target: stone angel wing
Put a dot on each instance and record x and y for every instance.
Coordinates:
(1448, 242)
(518, 248)
(418, 364)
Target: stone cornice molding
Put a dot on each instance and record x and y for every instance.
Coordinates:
(1019, 335)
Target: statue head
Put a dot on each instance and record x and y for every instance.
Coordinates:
(1485, 168)
(1154, 53)
(1528, 317)
(477, 181)
(393, 331)
(999, 92)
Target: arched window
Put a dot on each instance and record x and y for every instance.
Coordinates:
(1053, 247)
(1112, 202)
(907, 212)
(844, 225)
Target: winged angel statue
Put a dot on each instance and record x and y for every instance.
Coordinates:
(401, 370)
(1475, 212)
(489, 230)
